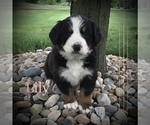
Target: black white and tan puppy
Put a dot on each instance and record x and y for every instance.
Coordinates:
(72, 61)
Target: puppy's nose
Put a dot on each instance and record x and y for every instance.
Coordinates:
(76, 47)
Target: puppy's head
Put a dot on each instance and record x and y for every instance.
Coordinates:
(75, 36)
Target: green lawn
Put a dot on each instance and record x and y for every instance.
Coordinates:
(122, 34)
(33, 23)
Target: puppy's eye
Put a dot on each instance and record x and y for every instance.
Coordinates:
(69, 32)
(84, 31)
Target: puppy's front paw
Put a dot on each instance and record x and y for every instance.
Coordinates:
(85, 110)
(73, 105)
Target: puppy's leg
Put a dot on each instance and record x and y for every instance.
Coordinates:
(68, 97)
(86, 88)
(67, 94)
(70, 100)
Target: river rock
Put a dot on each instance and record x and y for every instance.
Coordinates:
(54, 115)
(131, 91)
(69, 112)
(52, 100)
(82, 119)
(44, 113)
(22, 117)
(119, 92)
(36, 108)
(105, 121)
(42, 96)
(40, 121)
(103, 99)
(95, 119)
(22, 104)
(50, 122)
(31, 72)
(108, 81)
(142, 91)
(100, 111)
(121, 116)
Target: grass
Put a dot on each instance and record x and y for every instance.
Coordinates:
(122, 35)
(33, 23)
(32, 26)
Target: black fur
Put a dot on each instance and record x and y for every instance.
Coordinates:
(59, 35)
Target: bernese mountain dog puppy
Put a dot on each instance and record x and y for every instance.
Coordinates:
(73, 59)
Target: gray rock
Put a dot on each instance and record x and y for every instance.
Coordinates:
(37, 79)
(113, 98)
(105, 121)
(145, 101)
(142, 91)
(119, 92)
(42, 96)
(50, 122)
(100, 111)
(22, 104)
(22, 117)
(16, 77)
(131, 91)
(4, 77)
(121, 116)
(3, 86)
(40, 121)
(107, 87)
(56, 107)
(120, 82)
(44, 113)
(95, 119)
(31, 72)
(148, 94)
(54, 115)
(39, 50)
(69, 112)
(71, 119)
(21, 72)
(56, 90)
(114, 77)
(36, 108)
(35, 116)
(60, 104)
(66, 122)
(133, 101)
(82, 119)
(48, 49)
(52, 100)
(23, 90)
(123, 103)
(108, 81)
(103, 99)
(110, 108)
(113, 86)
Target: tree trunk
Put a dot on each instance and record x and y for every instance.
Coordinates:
(99, 12)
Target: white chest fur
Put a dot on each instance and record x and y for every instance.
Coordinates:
(75, 72)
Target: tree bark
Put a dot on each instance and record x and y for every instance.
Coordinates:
(99, 12)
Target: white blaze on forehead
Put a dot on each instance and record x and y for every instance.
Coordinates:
(76, 23)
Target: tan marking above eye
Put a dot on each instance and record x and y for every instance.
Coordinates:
(69, 29)
(83, 29)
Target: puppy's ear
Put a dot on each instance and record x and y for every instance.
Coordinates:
(96, 34)
(54, 33)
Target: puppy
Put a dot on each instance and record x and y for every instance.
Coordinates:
(72, 61)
